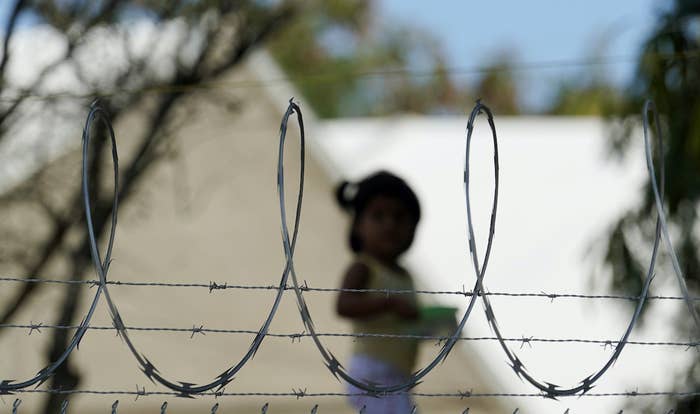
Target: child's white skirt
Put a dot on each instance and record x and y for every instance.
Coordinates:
(369, 369)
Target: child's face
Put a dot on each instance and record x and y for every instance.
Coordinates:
(385, 228)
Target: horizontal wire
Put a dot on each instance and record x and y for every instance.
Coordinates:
(211, 286)
(303, 393)
(36, 327)
(334, 77)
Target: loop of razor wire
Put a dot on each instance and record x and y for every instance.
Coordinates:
(148, 368)
(212, 286)
(8, 385)
(333, 365)
(649, 106)
(295, 337)
(550, 389)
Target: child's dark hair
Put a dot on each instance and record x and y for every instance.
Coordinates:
(354, 197)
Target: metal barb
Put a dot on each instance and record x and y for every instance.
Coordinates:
(551, 296)
(220, 392)
(196, 330)
(526, 341)
(139, 392)
(314, 410)
(465, 394)
(215, 408)
(214, 286)
(115, 405)
(35, 327)
(64, 407)
(15, 405)
(163, 407)
(299, 393)
(264, 408)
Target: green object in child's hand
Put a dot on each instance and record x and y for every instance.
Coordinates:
(434, 321)
(437, 313)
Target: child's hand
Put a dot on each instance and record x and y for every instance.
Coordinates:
(402, 307)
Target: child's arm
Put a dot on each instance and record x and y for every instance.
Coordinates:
(363, 305)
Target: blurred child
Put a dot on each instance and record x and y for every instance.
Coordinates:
(385, 212)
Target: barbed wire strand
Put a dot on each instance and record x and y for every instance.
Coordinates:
(296, 337)
(314, 409)
(303, 393)
(212, 286)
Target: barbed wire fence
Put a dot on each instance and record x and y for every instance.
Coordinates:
(216, 387)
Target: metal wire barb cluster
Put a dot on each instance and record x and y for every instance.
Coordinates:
(184, 388)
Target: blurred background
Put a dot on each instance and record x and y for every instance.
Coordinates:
(196, 91)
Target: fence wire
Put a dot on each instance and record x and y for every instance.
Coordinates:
(216, 387)
(302, 393)
(213, 286)
(35, 328)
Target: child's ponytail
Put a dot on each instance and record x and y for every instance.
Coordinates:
(345, 194)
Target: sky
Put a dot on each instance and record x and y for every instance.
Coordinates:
(472, 32)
